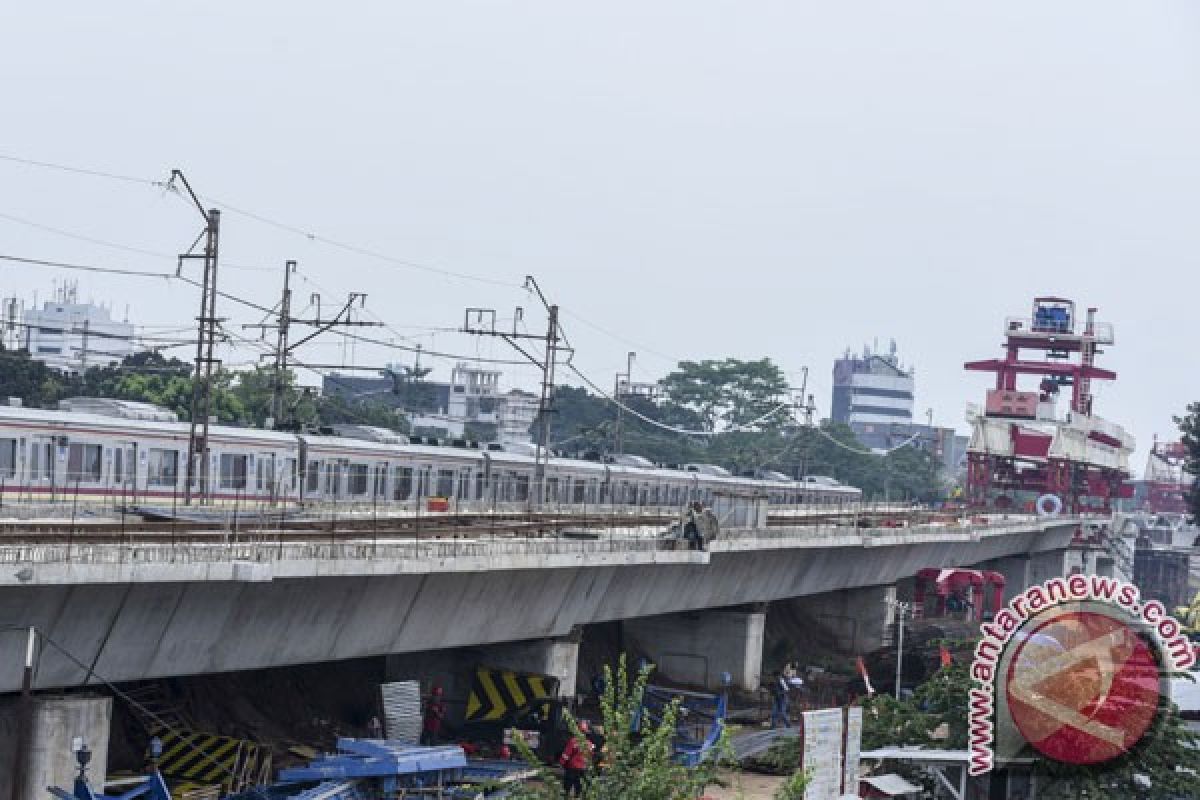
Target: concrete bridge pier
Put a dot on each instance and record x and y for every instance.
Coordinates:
(857, 618)
(697, 647)
(558, 657)
(49, 759)
(1017, 571)
(1047, 565)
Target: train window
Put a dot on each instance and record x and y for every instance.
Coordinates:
(233, 471)
(356, 479)
(312, 481)
(402, 483)
(331, 478)
(162, 467)
(479, 485)
(522, 486)
(445, 482)
(423, 480)
(551, 490)
(578, 494)
(84, 462)
(464, 484)
(8, 458)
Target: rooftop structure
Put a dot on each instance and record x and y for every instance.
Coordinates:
(872, 389)
(73, 336)
(471, 399)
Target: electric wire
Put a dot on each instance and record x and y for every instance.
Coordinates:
(265, 220)
(748, 426)
(141, 273)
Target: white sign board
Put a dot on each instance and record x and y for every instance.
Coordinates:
(852, 749)
(823, 754)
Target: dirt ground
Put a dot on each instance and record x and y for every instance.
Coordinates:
(747, 786)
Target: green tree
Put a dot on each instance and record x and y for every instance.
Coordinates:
(640, 765)
(32, 381)
(934, 716)
(1189, 427)
(728, 392)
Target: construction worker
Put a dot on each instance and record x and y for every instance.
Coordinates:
(435, 713)
(575, 759)
(691, 526)
(779, 701)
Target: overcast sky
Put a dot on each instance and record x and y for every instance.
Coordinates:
(687, 179)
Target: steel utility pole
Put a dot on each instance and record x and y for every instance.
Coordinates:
(901, 610)
(284, 347)
(206, 337)
(618, 384)
(285, 311)
(482, 322)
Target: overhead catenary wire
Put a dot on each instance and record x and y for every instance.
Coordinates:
(38, 262)
(882, 452)
(308, 234)
(82, 237)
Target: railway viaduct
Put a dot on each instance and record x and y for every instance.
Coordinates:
(156, 606)
(125, 612)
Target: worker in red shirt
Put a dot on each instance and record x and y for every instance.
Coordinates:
(435, 712)
(575, 759)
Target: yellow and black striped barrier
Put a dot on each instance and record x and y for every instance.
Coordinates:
(498, 694)
(208, 759)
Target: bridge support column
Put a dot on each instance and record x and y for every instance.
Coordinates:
(56, 721)
(857, 618)
(556, 657)
(1044, 566)
(1017, 574)
(696, 648)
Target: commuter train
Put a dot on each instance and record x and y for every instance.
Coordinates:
(128, 453)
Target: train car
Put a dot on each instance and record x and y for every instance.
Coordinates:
(126, 453)
(123, 453)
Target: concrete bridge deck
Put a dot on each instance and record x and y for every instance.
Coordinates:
(132, 611)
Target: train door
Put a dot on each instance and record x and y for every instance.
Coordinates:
(464, 486)
(122, 473)
(43, 453)
(379, 482)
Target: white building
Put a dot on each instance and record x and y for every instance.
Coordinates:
(473, 397)
(73, 336)
(874, 389)
(516, 414)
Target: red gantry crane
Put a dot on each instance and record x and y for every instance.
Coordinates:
(1020, 442)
